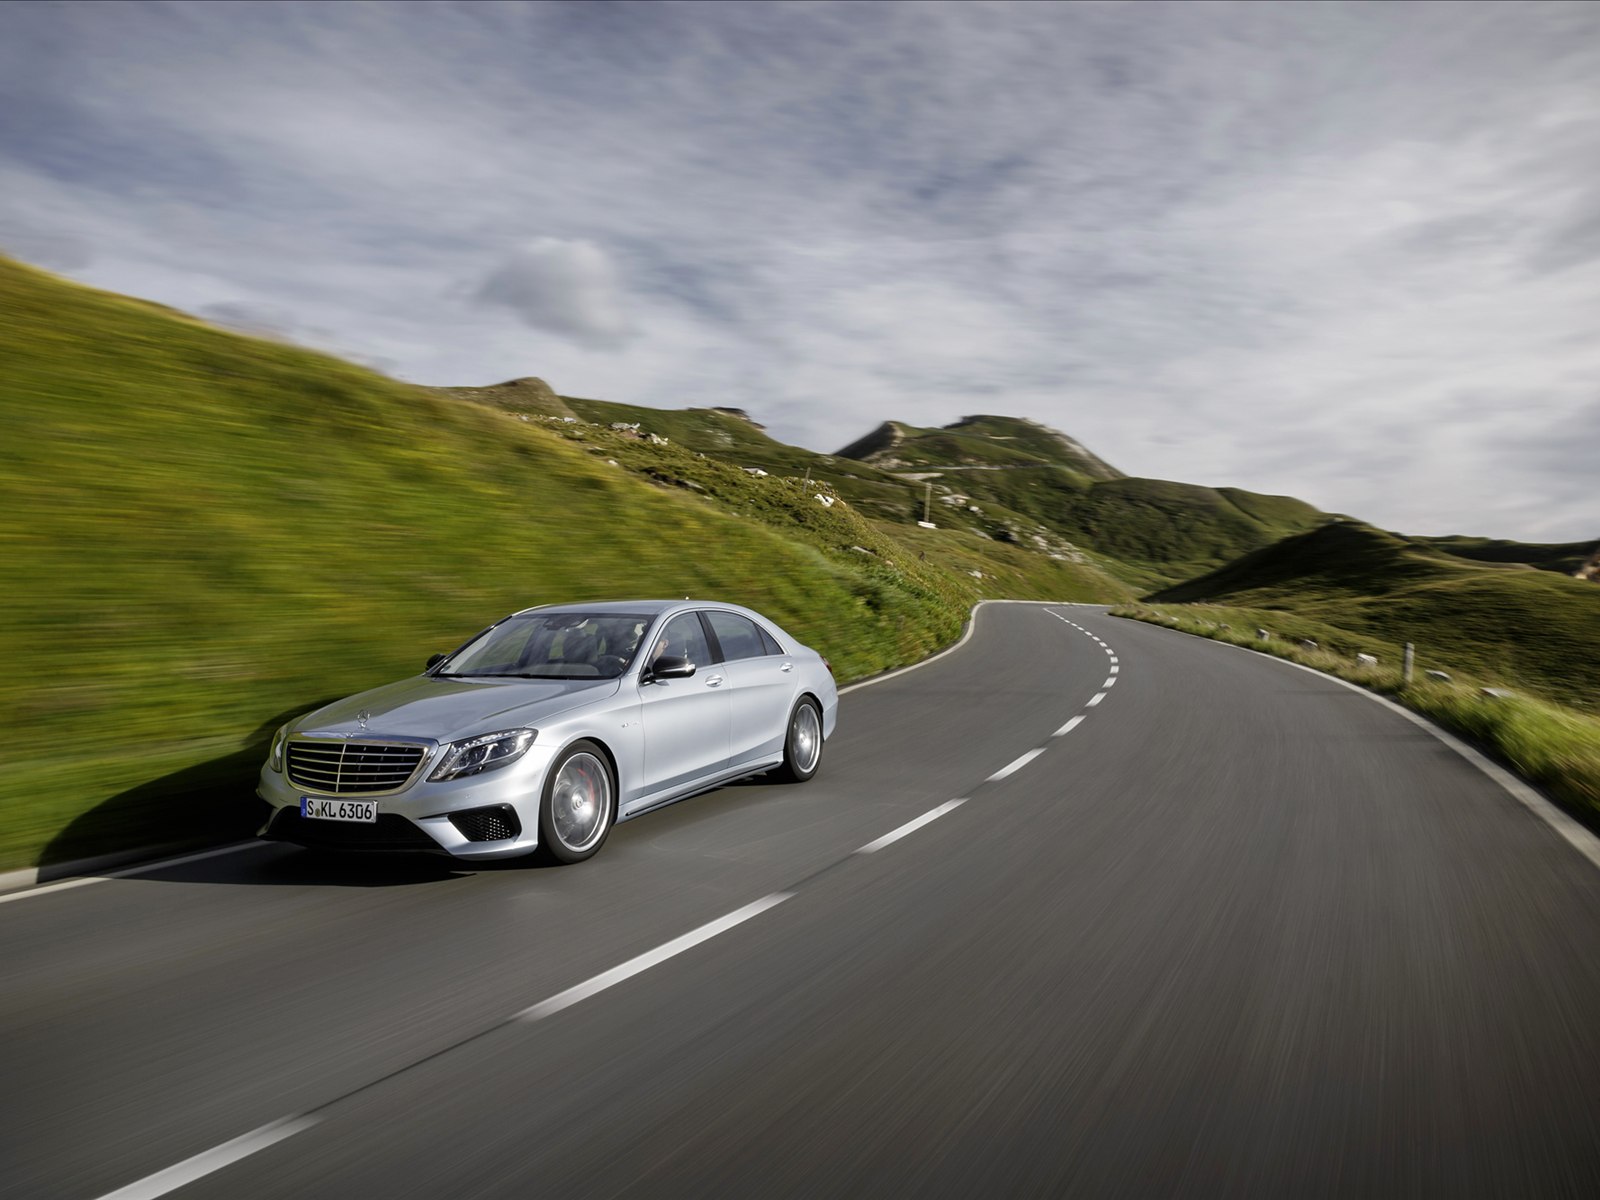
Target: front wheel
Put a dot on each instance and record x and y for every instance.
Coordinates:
(579, 804)
(802, 748)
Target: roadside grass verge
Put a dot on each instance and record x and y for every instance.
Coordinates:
(1549, 744)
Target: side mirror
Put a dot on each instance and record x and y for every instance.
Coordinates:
(434, 661)
(668, 666)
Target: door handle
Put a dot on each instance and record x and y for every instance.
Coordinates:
(713, 680)
(787, 667)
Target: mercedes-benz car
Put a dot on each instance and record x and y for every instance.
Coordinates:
(550, 726)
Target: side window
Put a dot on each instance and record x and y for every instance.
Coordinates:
(738, 636)
(769, 644)
(682, 637)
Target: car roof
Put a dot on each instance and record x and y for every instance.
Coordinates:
(642, 607)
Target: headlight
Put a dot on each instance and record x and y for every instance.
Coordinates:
(275, 759)
(483, 753)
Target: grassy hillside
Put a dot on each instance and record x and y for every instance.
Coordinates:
(1534, 631)
(206, 533)
(1563, 557)
(994, 569)
(978, 441)
(725, 434)
(1149, 532)
(1041, 563)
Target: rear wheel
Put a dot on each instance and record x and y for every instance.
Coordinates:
(802, 747)
(579, 804)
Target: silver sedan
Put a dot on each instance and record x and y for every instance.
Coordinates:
(549, 727)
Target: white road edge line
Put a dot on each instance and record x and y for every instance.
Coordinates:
(215, 1159)
(972, 624)
(1015, 765)
(1111, 681)
(1069, 726)
(1114, 667)
(1581, 840)
(894, 835)
(126, 872)
(650, 958)
(1095, 699)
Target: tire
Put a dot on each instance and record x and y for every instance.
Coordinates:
(578, 806)
(802, 745)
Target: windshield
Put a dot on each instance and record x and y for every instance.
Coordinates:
(569, 645)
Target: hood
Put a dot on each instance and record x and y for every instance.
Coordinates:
(446, 709)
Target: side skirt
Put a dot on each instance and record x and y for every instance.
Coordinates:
(744, 771)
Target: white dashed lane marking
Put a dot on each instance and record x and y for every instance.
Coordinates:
(211, 1160)
(894, 835)
(609, 979)
(1016, 764)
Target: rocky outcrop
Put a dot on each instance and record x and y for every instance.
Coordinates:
(881, 440)
(737, 412)
(526, 395)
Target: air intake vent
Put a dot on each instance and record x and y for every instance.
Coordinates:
(487, 824)
(344, 768)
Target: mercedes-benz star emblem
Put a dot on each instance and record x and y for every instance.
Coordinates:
(363, 716)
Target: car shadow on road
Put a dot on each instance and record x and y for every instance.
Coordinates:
(212, 804)
(206, 804)
(276, 865)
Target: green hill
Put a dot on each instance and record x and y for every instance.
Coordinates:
(1530, 630)
(1563, 557)
(977, 441)
(722, 455)
(206, 533)
(1149, 532)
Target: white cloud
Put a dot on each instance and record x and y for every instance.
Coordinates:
(569, 288)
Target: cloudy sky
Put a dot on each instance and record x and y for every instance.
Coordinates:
(1349, 252)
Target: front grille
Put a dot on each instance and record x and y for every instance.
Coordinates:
(390, 831)
(493, 824)
(341, 768)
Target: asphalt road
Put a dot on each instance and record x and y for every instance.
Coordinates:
(1238, 931)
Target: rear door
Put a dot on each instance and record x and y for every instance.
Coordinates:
(686, 722)
(763, 683)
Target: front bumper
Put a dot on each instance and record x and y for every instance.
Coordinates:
(419, 816)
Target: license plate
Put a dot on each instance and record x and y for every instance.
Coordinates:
(322, 809)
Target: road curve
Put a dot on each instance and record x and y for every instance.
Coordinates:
(1200, 925)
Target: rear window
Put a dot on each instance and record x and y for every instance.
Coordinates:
(740, 637)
